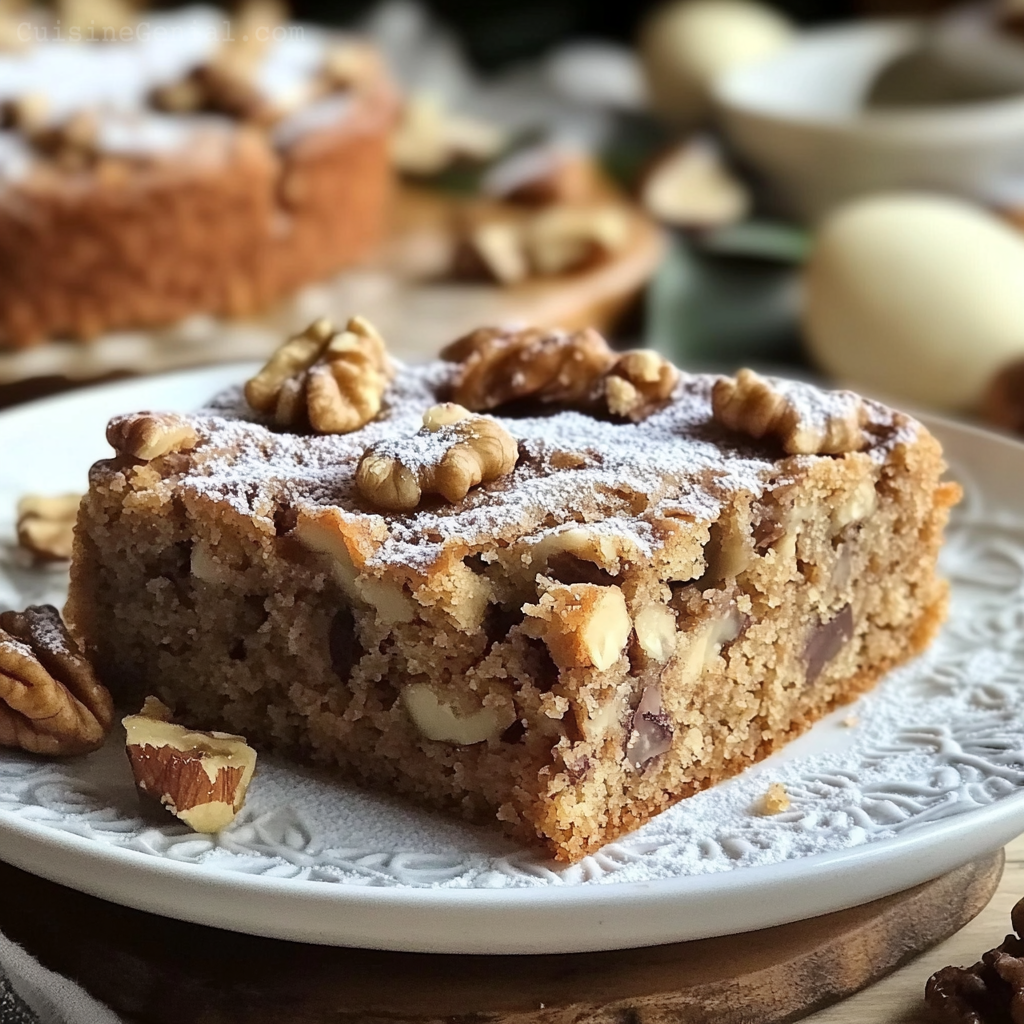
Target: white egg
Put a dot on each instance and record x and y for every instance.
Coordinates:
(915, 296)
(685, 46)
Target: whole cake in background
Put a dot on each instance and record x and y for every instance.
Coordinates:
(536, 580)
(197, 166)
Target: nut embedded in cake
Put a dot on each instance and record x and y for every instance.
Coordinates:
(629, 605)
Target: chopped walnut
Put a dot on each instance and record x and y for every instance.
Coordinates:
(547, 366)
(990, 992)
(691, 187)
(757, 407)
(148, 435)
(200, 777)
(776, 800)
(640, 383)
(491, 250)
(453, 453)
(50, 699)
(582, 624)
(564, 238)
(46, 526)
(333, 383)
(430, 138)
(650, 730)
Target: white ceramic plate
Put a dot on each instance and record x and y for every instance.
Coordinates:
(927, 774)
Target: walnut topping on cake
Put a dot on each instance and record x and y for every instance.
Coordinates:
(639, 383)
(148, 435)
(806, 420)
(575, 369)
(50, 699)
(331, 382)
(216, 87)
(499, 367)
(453, 453)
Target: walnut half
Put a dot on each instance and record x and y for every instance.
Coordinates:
(576, 369)
(502, 366)
(50, 699)
(806, 420)
(331, 381)
(453, 453)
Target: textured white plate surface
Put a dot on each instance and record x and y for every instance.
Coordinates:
(927, 775)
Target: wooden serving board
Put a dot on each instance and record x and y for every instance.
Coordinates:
(153, 970)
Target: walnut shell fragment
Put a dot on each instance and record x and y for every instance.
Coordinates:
(200, 777)
(50, 699)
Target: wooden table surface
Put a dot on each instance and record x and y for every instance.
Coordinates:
(898, 998)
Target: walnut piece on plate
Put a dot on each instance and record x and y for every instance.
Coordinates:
(453, 453)
(46, 525)
(50, 699)
(200, 777)
(991, 991)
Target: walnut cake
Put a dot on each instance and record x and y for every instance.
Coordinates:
(536, 579)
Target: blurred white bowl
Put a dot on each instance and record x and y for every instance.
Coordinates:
(800, 118)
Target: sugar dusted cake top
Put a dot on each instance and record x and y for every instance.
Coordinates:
(613, 474)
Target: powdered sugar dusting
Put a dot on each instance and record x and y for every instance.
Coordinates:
(625, 473)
